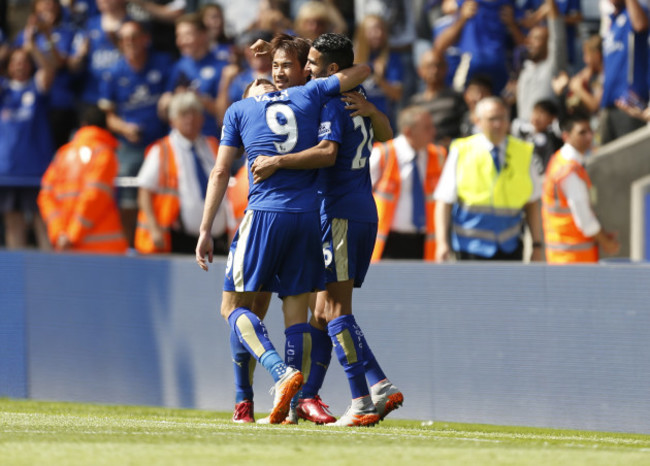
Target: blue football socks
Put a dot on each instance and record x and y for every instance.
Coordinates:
(254, 337)
(243, 364)
(374, 373)
(321, 355)
(297, 348)
(346, 338)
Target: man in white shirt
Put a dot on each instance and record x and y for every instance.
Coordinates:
(488, 186)
(179, 184)
(404, 173)
(571, 229)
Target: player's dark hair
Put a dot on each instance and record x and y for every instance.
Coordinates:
(92, 115)
(548, 106)
(335, 48)
(296, 46)
(572, 119)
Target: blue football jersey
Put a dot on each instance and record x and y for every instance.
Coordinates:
(25, 141)
(279, 123)
(625, 62)
(202, 76)
(61, 92)
(345, 188)
(135, 94)
(102, 56)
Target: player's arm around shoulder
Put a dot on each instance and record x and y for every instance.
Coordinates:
(353, 76)
(319, 156)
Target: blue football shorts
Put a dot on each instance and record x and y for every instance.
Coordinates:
(347, 248)
(276, 251)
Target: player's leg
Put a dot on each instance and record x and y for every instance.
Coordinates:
(321, 349)
(340, 251)
(257, 249)
(385, 396)
(236, 308)
(356, 256)
(346, 339)
(300, 271)
(244, 365)
(309, 405)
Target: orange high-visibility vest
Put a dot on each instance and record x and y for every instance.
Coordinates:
(387, 191)
(77, 194)
(565, 243)
(166, 202)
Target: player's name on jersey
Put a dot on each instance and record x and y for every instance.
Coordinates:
(279, 95)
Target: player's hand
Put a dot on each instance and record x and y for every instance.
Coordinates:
(204, 248)
(261, 47)
(263, 167)
(358, 104)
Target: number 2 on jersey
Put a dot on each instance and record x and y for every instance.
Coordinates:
(289, 128)
(359, 161)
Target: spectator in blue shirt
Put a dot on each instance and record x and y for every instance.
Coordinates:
(197, 70)
(625, 62)
(130, 97)
(95, 50)
(484, 31)
(25, 142)
(384, 87)
(213, 19)
(54, 38)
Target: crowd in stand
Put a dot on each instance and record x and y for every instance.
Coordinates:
(131, 58)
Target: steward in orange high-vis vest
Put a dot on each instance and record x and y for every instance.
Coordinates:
(572, 231)
(387, 191)
(166, 204)
(166, 200)
(565, 243)
(77, 197)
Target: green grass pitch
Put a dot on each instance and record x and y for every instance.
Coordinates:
(47, 433)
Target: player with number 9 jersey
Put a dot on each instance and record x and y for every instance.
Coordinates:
(274, 124)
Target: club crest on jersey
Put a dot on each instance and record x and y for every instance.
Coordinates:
(207, 72)
(154, 76)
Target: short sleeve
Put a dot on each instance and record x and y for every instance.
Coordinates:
(148, 174)
(230, 135)
(331, 123)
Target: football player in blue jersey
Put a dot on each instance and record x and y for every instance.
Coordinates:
(349, 229)
(277, 246)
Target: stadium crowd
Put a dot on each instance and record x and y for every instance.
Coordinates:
(130, 58)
